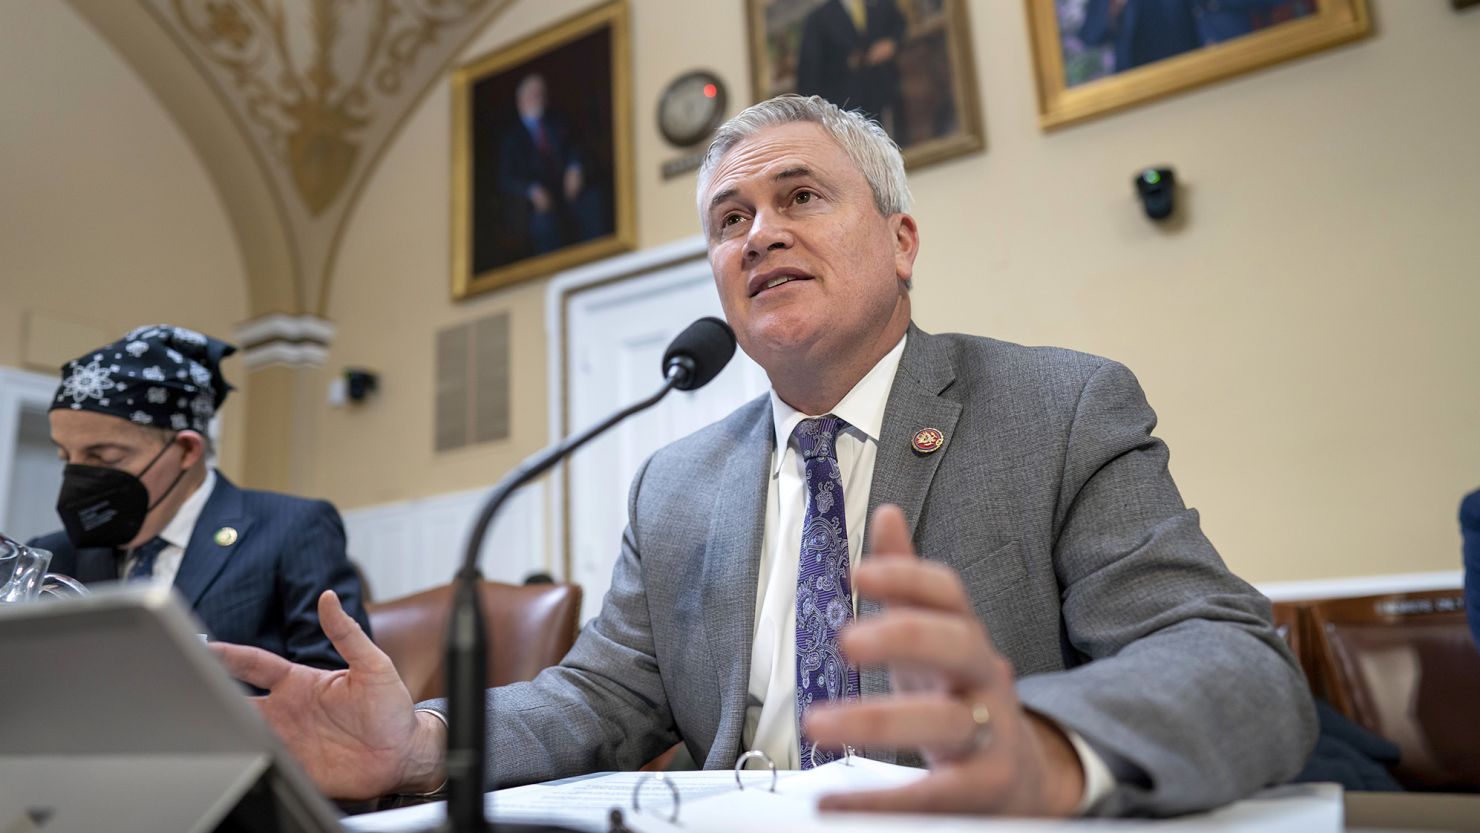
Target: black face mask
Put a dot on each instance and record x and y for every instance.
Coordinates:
(103, 507)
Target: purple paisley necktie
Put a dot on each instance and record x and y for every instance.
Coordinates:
(824, 591)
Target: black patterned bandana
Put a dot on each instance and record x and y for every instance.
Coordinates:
(160, 376)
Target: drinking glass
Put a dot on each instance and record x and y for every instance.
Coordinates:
(23, 575)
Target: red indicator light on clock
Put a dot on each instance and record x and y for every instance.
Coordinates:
(710, 91)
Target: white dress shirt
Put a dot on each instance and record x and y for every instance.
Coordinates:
(770, 716)
(770, 713)
(177, 534)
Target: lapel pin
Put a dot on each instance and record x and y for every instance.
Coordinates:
(927, 440)
(225, 536)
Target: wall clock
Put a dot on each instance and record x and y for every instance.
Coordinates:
(691, 107)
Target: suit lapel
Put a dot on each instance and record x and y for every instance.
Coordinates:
(902, 476)
(731, 571)
(205, 558)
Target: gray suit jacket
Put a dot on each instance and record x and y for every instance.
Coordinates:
(1052, 500)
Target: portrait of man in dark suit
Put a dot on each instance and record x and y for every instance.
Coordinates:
(542, 174)
(904, 63)
(849, 55)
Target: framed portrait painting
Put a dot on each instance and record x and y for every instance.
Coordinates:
(1097, 56)
(542, 159)
(906, 63)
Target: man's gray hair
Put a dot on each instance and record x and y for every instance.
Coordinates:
(865, 142)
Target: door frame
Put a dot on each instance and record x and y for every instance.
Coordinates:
(19, 390)
(562, 291)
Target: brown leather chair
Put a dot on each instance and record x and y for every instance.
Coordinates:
(1290, 624)
(1403, 666)
(530, 627)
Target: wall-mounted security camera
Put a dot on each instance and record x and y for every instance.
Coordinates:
(359, 383)
(1157, 188)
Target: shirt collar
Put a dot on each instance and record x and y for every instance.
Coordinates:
(862, 408)
(178, 531)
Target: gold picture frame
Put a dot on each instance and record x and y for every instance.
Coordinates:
(542, 165)
(929, 102)
(1103, 65)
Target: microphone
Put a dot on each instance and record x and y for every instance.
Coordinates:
(699, 353)
(692, 360)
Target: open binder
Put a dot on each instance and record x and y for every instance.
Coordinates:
(1291, 808)
(665, 803)
(782, 800)
(711, 802)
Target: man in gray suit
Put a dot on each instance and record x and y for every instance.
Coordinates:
(1066, 641)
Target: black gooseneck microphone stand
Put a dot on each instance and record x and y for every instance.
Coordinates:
(693, 358)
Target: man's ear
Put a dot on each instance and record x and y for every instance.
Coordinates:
(906, 245)
(194, 447)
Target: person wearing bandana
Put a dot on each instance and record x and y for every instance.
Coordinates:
(140, 501)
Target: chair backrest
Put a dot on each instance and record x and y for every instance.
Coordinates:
(1289, 623)
(530, 628)
(1403, 666)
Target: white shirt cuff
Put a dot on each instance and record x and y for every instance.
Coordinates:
(437, 793)
(1098, 780)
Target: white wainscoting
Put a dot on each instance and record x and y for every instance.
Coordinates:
(417, 544)
(1348, 586)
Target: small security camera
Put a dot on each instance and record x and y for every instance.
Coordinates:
(1157, 188)
(359, 384)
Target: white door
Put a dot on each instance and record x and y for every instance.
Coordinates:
(614, 334)
(30, 474)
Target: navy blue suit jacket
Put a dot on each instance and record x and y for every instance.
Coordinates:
(263, 588)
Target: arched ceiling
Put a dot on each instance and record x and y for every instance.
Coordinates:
(290, 104)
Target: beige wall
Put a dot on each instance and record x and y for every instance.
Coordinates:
(107, 218)
(1307, 336)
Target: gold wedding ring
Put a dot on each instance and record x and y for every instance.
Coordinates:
(982, 717)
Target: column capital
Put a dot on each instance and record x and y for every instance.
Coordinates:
(284, 340)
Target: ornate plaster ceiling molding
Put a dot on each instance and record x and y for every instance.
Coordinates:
(318, 88)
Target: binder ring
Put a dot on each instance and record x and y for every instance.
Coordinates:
(658, 776)
(754, 753)
(847, 754)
